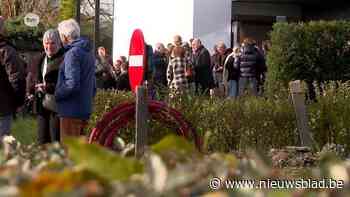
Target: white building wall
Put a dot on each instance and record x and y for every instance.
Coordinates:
(160, 20)
(212, 21)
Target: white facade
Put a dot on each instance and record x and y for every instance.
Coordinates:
(212, 21)
(160, 20)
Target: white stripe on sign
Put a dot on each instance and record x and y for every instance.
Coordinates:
(136, 61)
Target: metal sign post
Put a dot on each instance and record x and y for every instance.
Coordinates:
(141, 121)
(137, 64)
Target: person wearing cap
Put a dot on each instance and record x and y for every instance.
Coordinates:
(12, 82)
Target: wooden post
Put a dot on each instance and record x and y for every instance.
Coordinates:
(141, 121)
(298, 98)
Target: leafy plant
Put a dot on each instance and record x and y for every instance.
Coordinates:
(329, 117)
(161, 176)
(67, 9)
(226, 125)
(98, 160)
(313, 51)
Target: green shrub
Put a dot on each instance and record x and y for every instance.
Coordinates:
(329, 117)
(227, 125)
(104, 102)
(251, 123)
(313, 51)
(248, 122)
(25, 130)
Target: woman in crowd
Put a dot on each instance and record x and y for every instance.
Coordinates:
(177, 80)
(42, 82)
(231, 73)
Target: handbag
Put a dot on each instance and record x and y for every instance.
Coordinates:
(49, 102)
(189, 72)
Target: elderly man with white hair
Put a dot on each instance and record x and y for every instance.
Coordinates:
(12, 82)
(76, 86)
(201, 60)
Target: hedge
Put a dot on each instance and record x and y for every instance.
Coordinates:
(313, 51)
(249, 122)
(224, 125)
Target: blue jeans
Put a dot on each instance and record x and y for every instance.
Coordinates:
(232, 88)
(5, 125)
(251, 81)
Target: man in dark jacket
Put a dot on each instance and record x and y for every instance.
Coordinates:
(250, 63)
(122, 82)
(76, 85)
(12, 82)
(104, 70)
(201, 60)
(160, 61)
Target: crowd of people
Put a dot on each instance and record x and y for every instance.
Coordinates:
(184, 66)
(230, 71)
(109, 75)
(62, 81)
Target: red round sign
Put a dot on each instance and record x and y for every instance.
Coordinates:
(137, 54)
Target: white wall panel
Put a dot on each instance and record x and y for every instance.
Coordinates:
(212, 21)
(160, 20)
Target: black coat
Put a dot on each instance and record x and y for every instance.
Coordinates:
(51, 75)
(251, 62)
(202, 68)
(160, 62)
(12, 79)
(232, 68)
(104, 73)
(122, 82)
(35, 76)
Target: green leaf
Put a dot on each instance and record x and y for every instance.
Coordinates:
(103, 162)
(173, 143)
